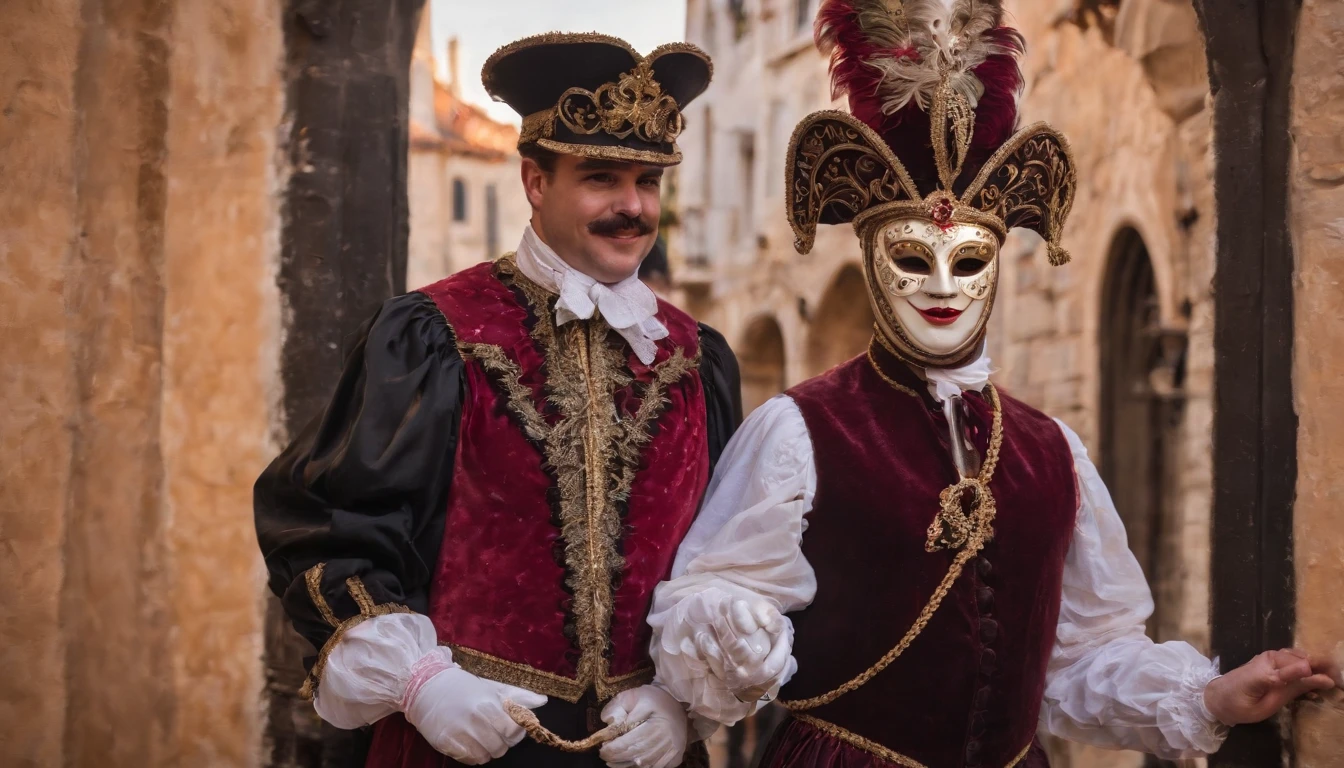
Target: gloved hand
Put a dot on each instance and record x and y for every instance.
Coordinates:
(660, 739)
(462, 715)
(747, 645)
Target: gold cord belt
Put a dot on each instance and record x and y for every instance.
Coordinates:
(540, 734)
(951, 529)
(877, 750)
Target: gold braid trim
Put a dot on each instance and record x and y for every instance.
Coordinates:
(493, 359)
(582, 372)
(367, 610)
(594, 457)
(313, 577)
(538, 681)
(518, 675)
(877, 750)
(602, 152)
(635, 433)
(981, 531)
(360, 594)
(583, 381)
(894, 384)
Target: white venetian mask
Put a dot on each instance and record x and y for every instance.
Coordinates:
(934, 286)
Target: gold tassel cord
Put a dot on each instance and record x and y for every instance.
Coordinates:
(542, 735)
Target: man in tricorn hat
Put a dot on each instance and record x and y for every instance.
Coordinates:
(924, 569)
(471, 533)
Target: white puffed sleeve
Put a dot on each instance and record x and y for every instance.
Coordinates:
(746, 542)
(368, 671)
(1107, 683)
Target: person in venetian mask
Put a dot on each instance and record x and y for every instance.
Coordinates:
(920, 567)
(472, 531)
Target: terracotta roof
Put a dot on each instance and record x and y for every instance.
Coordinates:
(463, 129)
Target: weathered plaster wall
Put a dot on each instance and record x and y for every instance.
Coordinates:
(221, 354)
(39, 45)
(1134, 109)
(1317, 224)
(137, 256)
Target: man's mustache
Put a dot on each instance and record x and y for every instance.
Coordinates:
(620, 224)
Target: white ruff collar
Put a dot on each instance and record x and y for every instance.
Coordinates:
(945, 383)
(630, 307)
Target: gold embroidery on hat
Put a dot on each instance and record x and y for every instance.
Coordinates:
(634, 104)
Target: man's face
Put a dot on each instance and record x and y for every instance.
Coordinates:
(600, 216)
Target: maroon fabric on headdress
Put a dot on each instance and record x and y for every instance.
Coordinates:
(968, 690)
(906, 130)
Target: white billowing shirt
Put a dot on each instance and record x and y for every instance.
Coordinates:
(1107, 683)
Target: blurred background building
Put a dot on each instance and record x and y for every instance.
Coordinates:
(201, 200)
(467, 204)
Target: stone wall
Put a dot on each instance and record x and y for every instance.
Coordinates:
(1317, 225)
(1134, 109)
(138, 225)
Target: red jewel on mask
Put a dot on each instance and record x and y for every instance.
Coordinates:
(941, 213)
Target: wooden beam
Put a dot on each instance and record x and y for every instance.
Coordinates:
(343, 252)
(1249, 44)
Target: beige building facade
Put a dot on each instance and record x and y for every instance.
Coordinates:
(466, 195)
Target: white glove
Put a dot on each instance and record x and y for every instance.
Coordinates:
(462, 715)
(660, 739)
(747, 645)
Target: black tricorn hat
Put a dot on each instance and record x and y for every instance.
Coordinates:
(593, 95)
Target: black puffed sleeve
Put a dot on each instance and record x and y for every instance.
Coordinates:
(350, 517)
(723, 390)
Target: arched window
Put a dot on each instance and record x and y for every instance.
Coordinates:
(737, 9)
(459, 200)
(491, 222)
(761, 361)
(842, 323)
(1141, 371)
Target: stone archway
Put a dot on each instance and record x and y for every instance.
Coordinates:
(1142, 367)
(842, 324)
(1137, 435)
(761, 361)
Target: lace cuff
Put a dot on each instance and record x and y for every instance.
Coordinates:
(1183, 716)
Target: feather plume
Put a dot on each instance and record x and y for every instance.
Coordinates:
(889, 57)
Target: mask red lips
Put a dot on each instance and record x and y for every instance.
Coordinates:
(940, 315)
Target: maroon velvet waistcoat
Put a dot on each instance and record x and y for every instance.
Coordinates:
(968, 690)
(578, 471)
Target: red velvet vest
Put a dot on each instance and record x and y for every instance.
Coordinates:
(578, 471)
(968, 690)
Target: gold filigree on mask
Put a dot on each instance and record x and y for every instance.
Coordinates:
(953, 124)
(1030, 183)
(839, 171)
(837, 167)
